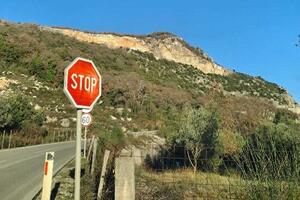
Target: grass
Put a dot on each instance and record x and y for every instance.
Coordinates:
(185, 185)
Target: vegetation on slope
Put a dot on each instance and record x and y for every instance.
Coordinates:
(139, 92)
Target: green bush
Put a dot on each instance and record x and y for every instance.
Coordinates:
(285, 116)
(16, 111)
(114, 140)
(230, 143)
(272, 152)
(9, 53)
(44, 70)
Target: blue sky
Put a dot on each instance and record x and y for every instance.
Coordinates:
(252, 36)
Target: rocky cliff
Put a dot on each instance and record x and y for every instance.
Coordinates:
(161, 45)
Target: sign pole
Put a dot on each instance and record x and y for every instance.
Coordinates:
(78, 156)
(82, 85)
(84, 145)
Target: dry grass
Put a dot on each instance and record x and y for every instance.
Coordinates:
(185, 185)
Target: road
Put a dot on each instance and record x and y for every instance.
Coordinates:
(21, 169)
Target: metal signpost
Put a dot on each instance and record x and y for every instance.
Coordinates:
(82, 85)
(86, 120)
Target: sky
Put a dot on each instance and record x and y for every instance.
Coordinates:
(256, 37)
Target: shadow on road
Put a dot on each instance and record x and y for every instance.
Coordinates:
(55, 191)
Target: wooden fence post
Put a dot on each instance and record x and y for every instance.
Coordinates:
(53, 137)
(9, 142)
(103, 172)
(90, 147)
(2, 144)
(94, 156)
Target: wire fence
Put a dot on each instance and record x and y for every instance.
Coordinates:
(168, 175)
(13, 139)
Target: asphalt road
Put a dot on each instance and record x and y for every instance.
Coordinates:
(21, 169)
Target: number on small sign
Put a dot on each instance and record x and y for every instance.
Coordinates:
(86, 119)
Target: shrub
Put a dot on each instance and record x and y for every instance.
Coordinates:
(272, 152)
(284, 116)
(16, 111)
(230, 143)
(9, 53)
(37, 67)
(113, 140)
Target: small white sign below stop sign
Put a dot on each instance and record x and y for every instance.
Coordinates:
(86, 119)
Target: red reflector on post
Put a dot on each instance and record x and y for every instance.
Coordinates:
(46, 168)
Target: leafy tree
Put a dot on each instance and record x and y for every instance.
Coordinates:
(198, 128)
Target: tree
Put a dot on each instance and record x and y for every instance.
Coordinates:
(197, 127)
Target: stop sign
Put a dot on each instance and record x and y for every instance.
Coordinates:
(82, 83)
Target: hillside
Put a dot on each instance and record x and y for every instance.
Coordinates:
(161, 45)
(145, 82)
(170, 47)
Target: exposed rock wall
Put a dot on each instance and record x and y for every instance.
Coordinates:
(167, 47)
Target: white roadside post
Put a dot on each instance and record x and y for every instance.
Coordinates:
(82, 85)
(48, 174)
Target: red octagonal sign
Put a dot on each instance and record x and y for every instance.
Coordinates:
(82, 83)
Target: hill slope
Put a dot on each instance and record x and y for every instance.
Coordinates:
(140, 91)
(170, 47)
